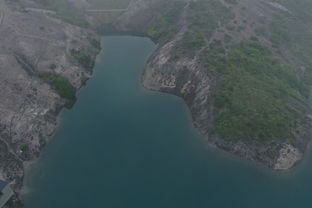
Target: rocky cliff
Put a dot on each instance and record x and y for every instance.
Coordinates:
(44, 61)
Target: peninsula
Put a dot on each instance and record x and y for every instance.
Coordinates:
(242, 66)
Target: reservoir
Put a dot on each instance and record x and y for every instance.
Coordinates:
(121, 146)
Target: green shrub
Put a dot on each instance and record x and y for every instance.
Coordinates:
(83, 59)
(166, 26)
(256, 96)
(189, 44)
(227, 38)
(60, 84)
(95, 43)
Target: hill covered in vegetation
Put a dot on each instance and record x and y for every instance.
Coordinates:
(243, 67)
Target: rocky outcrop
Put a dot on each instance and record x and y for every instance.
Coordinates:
(184, 78)
(288, 157)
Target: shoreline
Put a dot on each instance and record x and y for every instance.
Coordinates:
(208, 146)
(220, 154)
(27, 165)
(291, 172)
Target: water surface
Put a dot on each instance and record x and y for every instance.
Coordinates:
(123, 147)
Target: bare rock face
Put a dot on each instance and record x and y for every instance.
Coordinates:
(33, 43)
(184, 78)
(288, 157)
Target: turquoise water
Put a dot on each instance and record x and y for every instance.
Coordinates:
(123, 147)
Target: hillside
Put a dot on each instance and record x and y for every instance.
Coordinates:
(242, 67)
(44, 62)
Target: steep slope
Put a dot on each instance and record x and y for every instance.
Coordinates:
(242, 66)
(44, 61)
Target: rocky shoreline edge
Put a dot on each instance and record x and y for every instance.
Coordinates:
(44, 63)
